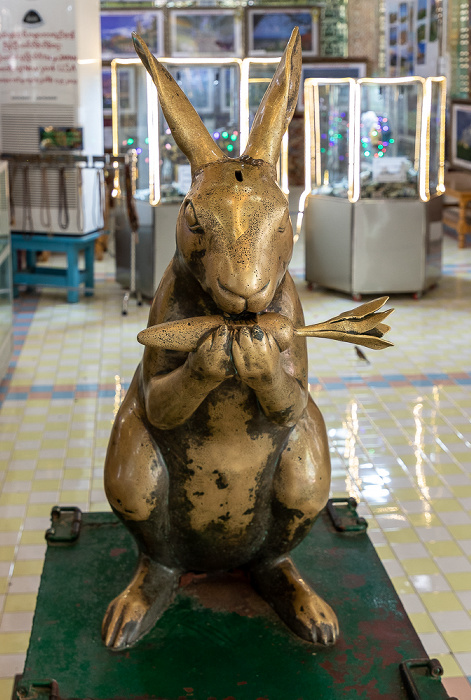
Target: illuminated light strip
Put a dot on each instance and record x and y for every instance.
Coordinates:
(153, 142)
(440, 81)
(419, 132)
(315, 136)
(308, 107)
(114, 123)
(424, 181)
(244, 104)
(354, 142)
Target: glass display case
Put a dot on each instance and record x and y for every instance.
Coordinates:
(213, 88)
(129, 84)
(163, 171)
(6, 298)
(374, 180)
(226, 93)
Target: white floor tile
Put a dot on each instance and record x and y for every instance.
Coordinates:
(11, 664)
(16, 622)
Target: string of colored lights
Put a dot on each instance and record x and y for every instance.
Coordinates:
(377, 141)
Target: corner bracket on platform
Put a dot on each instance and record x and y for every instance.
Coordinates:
(342, 512)
(37, 690)
(430, 668)
(65, 525)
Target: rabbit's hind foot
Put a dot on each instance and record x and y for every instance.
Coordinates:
(134, 611)
(296, 603)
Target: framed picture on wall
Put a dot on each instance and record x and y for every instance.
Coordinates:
(332, 69)
(126, 90)
(269, 28)
(197, 82)
(106, 86)
(460, 134)
(204, 32)
(117, 28)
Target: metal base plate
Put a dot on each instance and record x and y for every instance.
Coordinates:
(219, 640)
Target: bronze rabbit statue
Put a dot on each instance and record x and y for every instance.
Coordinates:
(218, 458)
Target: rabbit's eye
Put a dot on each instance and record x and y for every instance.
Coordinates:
(283, 223)
(192, 220)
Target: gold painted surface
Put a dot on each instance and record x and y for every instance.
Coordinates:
(218, 457)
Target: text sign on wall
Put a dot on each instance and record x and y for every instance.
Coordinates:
(38, 61)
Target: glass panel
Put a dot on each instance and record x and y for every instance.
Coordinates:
(331, 135)
(5, 264)
(435, 150)
(5, 298)
(131, 81)
(214, 92)
(4, 208)
(260, 75)
(389, 161)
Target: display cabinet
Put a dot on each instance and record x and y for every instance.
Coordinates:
(129, 84)
(226, 93)
(163, 172)
(213, 88)
(6, 298)
(371, 208)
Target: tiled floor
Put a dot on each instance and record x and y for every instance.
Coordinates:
(399, 425)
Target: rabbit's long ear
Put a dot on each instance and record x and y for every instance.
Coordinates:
(187, 128)
(277, 106)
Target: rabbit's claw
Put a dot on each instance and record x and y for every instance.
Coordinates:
(297, 604)
(123, 622)
(134, 611)
(316, 621)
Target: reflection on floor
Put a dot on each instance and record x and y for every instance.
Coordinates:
(399, 424)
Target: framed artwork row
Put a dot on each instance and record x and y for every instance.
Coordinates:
(211, 32)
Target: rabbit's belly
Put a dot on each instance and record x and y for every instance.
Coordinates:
(221, 507)
(220, 488)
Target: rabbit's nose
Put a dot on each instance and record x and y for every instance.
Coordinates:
(245, 289)
(239, 297)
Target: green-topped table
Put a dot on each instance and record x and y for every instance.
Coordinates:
(219, 640)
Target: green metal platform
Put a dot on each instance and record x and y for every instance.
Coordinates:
(219, 641)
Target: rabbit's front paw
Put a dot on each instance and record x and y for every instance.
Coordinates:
(212, 358)
(256, 356)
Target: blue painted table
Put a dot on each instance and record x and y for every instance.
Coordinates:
(69, 277)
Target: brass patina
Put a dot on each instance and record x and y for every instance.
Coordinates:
(218, 457)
